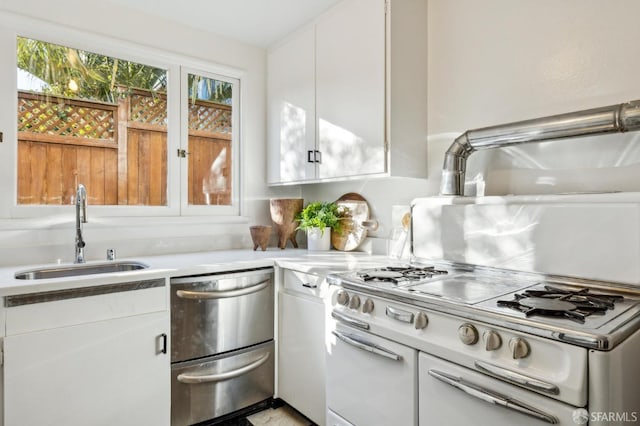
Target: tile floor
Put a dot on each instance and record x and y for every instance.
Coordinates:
(282, 416)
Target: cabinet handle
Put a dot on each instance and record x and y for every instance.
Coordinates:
(314, 156)
(188, 294)
(309, 285)
(161, 344)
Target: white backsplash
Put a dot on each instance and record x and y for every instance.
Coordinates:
(594, 236)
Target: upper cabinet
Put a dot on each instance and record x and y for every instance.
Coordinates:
(348, 95)
(291, 109)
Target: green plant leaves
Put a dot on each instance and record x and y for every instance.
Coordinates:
(321, 214)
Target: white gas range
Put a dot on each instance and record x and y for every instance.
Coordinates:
(454, 343)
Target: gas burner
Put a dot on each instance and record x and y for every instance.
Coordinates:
(575, 305)
(397, 274)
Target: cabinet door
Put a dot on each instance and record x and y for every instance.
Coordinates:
(301, 357)
(350, 97)
(291, 95)
(102, 373)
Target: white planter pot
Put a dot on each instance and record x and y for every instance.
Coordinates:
(318, 240)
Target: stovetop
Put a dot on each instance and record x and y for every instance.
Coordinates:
(559, 306)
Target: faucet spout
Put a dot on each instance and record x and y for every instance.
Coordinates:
(81, 217)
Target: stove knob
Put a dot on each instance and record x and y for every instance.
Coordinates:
(354, 303)
(519, 348)
(468, 334)
(367, 308)
(343, 298)
(492, 340)
(421, 321)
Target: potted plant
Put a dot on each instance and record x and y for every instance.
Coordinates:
(318, 219)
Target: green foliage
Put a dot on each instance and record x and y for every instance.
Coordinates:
(97, 76)
(321, 214)
(214, 90)
(104, 78)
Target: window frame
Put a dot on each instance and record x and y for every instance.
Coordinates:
(177, 133)
(234, 208)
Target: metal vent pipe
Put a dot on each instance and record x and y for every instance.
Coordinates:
(611, 119)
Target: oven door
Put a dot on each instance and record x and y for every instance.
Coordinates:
(370, 380)
(454, 395)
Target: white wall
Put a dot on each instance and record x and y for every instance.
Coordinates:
(30, 241)
(498, 61)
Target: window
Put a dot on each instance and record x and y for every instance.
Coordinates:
(209, 140)
(105, 122)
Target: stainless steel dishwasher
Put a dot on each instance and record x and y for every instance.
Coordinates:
(222, 350)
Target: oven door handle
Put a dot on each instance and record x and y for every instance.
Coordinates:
(517, 378)
(207, 378)
(491, 396)
(188, 294)
(367, 346)
(350, 321)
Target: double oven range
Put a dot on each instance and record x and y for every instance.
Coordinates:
(456, 344)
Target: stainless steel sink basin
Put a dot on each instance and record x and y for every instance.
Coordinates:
(80, 269)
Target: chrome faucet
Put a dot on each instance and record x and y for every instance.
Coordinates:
(81, 217)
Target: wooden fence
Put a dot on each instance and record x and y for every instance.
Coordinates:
(118, 151)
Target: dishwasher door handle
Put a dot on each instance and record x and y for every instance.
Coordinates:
(207, 378)
(367, 346)
(221, 294)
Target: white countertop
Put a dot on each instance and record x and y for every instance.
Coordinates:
(184, 264)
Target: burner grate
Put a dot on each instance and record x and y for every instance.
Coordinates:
(576, 305)
(398, 274)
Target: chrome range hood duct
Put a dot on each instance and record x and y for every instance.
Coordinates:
(616, 118)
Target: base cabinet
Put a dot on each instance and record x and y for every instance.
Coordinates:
(88, 356)
(301, 362)
(104, 373)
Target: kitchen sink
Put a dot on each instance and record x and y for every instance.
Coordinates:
(79, 269)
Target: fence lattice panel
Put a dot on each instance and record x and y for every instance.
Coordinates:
(65, 117)
(208, 117)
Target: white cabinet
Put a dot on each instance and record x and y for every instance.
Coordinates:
(350, 89)
(301, 344)
(95, 359)
(291, 123)
(369, 77)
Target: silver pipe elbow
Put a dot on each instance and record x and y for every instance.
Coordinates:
(455, 166)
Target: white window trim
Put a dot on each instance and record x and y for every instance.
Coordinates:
(12, 25)
(234, 208)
